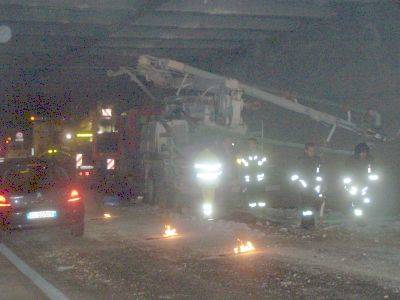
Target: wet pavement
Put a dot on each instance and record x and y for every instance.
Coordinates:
(14, 285)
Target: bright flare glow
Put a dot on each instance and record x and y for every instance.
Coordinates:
(303, 183)
(347, 180)
(367, 200)
(208, 167)
(294, 177)
(208, 172)
(107, 216)
(169, 231)
(353, 190)
(68, 136)
(252, 204)
(358, 212)
(261, 204)
(307, 213)
(207, 209)
(208, 176)
(318, 178)
(373, 177)
(243, 247)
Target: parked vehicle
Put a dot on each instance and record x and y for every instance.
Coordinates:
(40, 193)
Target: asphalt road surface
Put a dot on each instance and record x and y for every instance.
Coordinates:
(14, 285)
(126, 257)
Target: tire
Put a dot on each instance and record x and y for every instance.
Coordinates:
(77, 230)
(307, 223)
(150, 191)
(5, 235)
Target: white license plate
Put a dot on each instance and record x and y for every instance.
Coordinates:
(46, 214)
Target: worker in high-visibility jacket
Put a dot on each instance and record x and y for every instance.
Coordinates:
(208, 171)
(253, 165)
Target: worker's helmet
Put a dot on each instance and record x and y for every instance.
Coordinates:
(360, 148)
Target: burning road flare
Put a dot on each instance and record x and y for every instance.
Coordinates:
(242, 247)
(169, 231)
(107, 216)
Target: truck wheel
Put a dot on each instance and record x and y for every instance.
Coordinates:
(77, 230)
(150, 191)
(307, 223)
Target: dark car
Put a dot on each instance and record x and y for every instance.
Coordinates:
(39, 194)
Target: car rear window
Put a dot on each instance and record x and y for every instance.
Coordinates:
(31, 178)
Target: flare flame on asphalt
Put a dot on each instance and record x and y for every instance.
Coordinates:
(243, 247)
(169, 231)
(107, 216)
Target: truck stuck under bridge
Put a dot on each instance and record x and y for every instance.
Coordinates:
(205, 108)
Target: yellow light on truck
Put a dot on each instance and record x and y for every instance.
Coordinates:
(84, 135)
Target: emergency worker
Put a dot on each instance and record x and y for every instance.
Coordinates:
(360, 181)
(309, 161)
(208, 171)
(226, 153)
(253, 174)
(229, 183)
(361, 159)
(310, 182)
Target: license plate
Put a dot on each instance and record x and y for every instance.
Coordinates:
(46, 214)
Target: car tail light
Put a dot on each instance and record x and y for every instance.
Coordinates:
(4, 201)
(87, 173)
(74, 196)
(80, 173)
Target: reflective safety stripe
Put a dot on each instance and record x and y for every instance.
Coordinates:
(79, 159)
(110, 164)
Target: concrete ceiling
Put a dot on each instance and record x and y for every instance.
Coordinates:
(50, 33)
(64, 41)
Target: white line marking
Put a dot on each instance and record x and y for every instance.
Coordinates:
(49, 290)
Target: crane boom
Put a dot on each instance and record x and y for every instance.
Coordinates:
(174, 74)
